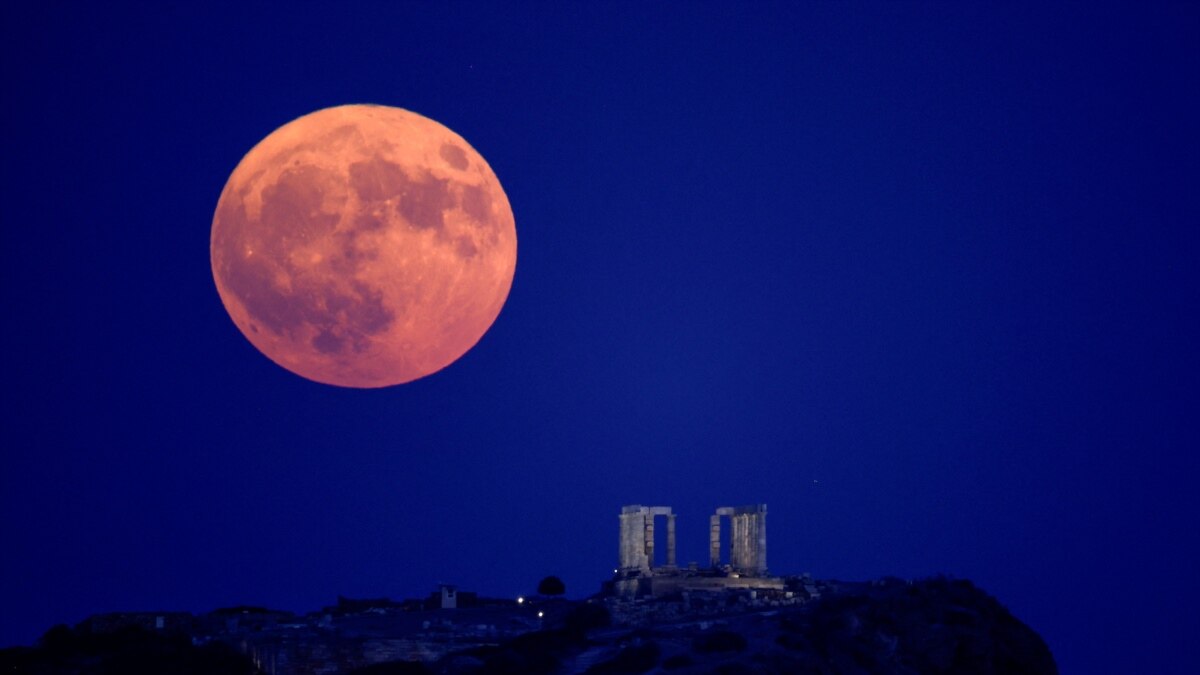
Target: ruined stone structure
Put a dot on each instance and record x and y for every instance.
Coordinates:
(747, 538)
(637, 537)
(639, 574)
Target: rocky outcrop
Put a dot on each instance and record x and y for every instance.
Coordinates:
(889, 626)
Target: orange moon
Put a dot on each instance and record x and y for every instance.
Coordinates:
(363, 246)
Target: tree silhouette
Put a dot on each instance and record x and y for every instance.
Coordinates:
(551, 585)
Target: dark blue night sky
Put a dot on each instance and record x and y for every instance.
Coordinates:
(921, 277)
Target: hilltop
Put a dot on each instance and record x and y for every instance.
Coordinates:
(892, 626)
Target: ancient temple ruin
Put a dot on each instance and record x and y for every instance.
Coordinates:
(747, 538)
(640, 573)
(637, 536)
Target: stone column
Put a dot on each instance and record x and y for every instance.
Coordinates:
(748, 539)
(761, 558)
(648, 534)
(735, 551)
(671, 540)
(625, 551)
(633, 542)
(714, 540)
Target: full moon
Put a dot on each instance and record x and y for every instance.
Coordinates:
(363, 246)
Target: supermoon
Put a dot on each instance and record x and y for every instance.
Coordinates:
(363, 246)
